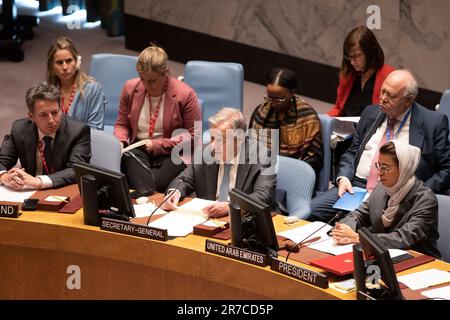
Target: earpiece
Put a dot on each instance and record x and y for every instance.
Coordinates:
(78, 62)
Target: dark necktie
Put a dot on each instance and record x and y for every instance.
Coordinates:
(48, 154)
(224, 186)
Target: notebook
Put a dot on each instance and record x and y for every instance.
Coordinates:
(350, 202)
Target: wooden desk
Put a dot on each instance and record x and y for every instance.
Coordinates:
(37, 248)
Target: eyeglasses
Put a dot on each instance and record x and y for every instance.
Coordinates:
(357, 56)
(383, 168)
(279, 100)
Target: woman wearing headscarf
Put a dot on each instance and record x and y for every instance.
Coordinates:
(300, 134)
(401, 211)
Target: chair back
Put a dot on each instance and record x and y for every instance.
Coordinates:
(112, 71)
(324, 177)
(444, 105)
(297, 179)
(106, 150)
(444, 226)
(218, 84)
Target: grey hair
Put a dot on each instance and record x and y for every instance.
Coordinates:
(231, 116)
(43, 91)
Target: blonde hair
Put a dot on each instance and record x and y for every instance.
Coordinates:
(153, 59)
(65, 43)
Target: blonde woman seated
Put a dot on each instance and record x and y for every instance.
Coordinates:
(401, 211)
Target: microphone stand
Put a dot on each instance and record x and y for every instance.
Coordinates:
(338, 216)
(128, 153)
(168, 196)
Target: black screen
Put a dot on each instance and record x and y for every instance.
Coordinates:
(251, 224)
(112, 188)
(372, 246)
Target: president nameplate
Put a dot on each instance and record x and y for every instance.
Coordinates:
(133, 229)
(9, 211)
(232, 252)
(315, 278)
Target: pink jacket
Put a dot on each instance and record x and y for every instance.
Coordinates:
(181, 110)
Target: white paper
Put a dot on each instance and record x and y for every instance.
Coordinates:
(135, 145)
(330, 246)
(344, 126)
(195, 206)
(425, 279)
(300, 233)
(55, 198)
(438, 293)
(144, 210)
(10, 195)
(396, 252)
(178, 224)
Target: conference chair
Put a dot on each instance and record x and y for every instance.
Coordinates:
(218, 84)
(444, 226)
(444, 105)
(295, 179)
(112, 71)
(105, 149)
(323, 180)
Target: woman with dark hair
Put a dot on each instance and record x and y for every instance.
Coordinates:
(299, 128)
(401, 211)
(362, 73)
(82, 98)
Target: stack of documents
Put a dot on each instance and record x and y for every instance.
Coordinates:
(181, 222)
(425, 279)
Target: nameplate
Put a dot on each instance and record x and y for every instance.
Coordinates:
(236, 253)
(315, 278)
(9, 211)
(133, 229)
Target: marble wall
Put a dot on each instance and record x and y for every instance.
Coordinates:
(414, 33)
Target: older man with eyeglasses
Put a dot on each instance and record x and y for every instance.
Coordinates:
(396, 117)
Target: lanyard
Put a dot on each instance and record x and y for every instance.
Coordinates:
(153, 119)
(388, 132)
(44, 163)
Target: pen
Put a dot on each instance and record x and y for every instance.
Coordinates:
(59, 198)
(217, 222)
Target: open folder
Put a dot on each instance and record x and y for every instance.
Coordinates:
(350, 202)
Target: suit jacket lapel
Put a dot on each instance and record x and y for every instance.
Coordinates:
(169, 106)
(136, 107)
(416, 128)
(377, 122)
(31, 140)
(212, 171)
(59, 146)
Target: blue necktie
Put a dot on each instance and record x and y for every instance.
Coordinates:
(224, 186)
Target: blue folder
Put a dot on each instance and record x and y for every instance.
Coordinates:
(350, 202)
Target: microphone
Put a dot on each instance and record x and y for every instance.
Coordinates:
(168, 196)
(338, 216)
(143, 165)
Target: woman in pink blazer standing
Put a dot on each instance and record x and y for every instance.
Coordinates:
(151, 108)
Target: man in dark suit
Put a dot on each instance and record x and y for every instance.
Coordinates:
(229, 161)
(47, 144)
(396, 117)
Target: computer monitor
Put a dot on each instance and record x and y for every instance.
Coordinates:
(373, 247)
(251, 224)
(104, 190)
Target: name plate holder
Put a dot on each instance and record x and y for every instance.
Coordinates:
(133, 229)
(315, 278)
(9, 211)
(236, 253)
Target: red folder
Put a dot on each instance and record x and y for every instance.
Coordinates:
(341, 264)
